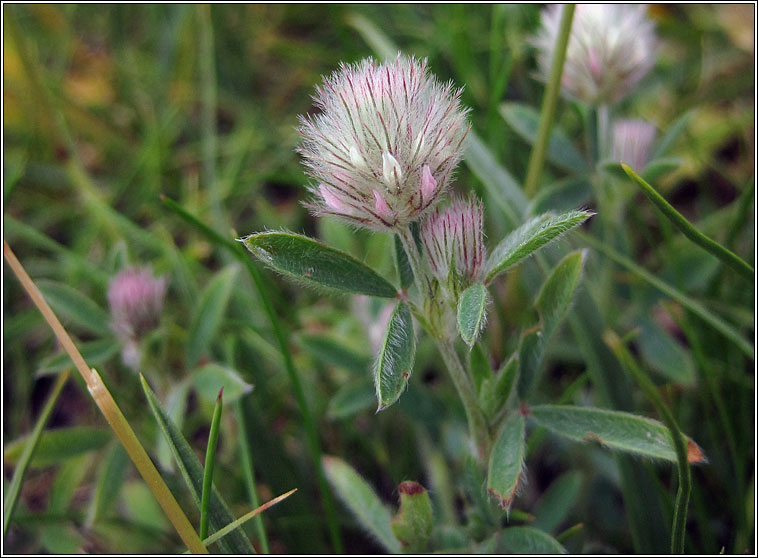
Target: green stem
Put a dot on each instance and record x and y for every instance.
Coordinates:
(249, 471)
(549, 102)
(414, 257)
(210, 455)
(476, 422)
(684, 488)
(710, 245)
(311, 433)
(14, 489)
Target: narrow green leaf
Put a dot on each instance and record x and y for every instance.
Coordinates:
(59, 444)
(212, 377)
(557, 292)
(352, 398)
(403, 265)
(208, 314)
(67, 481)
(27, 451)
(528, 540)
(110, 478)
(506, 463)
(331, 351)
(395, 362)
(175, 407)
(219, 515)
(373, 35)
(664, 355)
(93, 352)
(312, 263)
(724, 254)
(530, 237)
(560, 150)
(210, 461)
(557, 501)
(726, 329)
(362, 501)
(506, 378)
(70, 304)
(472, 313)
(614, 429)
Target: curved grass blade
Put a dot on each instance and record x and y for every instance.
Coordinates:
(724, 254)
(693, 306)
(14, 488)
(314, 445)
(219, 515)
(76, 307)
(210, 457)
(307, 261)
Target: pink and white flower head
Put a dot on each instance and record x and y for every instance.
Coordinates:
(453, 238)
(136, 301)
(632, 140)
(610, 49)
(385, 144)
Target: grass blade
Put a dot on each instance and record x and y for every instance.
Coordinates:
(219, 514)
(14, 488)
(111, 412)
(693, 306)
(724, 254)
(314, 444)
(210, 457)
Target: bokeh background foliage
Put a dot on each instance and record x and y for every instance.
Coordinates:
(107, 107)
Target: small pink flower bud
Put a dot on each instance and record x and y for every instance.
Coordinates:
(391, 128)
(453, 236)
(382, 209)
(332, 200)
(428, 183)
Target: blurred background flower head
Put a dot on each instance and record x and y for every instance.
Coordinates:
(611, 48)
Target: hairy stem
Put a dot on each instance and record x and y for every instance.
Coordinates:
(477, 424)
(414, 257)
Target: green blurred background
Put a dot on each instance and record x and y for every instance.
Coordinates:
(107, 107)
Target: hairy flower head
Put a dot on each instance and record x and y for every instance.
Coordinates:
(611, 48)
(453, 239)
(136, 301)
(385, 144)
(632, 140)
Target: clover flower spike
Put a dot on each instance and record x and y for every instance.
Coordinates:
(632, 140)
(453, 239)
(136, 301)
(610, 49)
(385, 143)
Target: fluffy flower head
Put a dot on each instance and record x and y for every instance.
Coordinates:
(454, 240)
(385, 144)
(136, 301)
(611, 48)
(632, 140)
